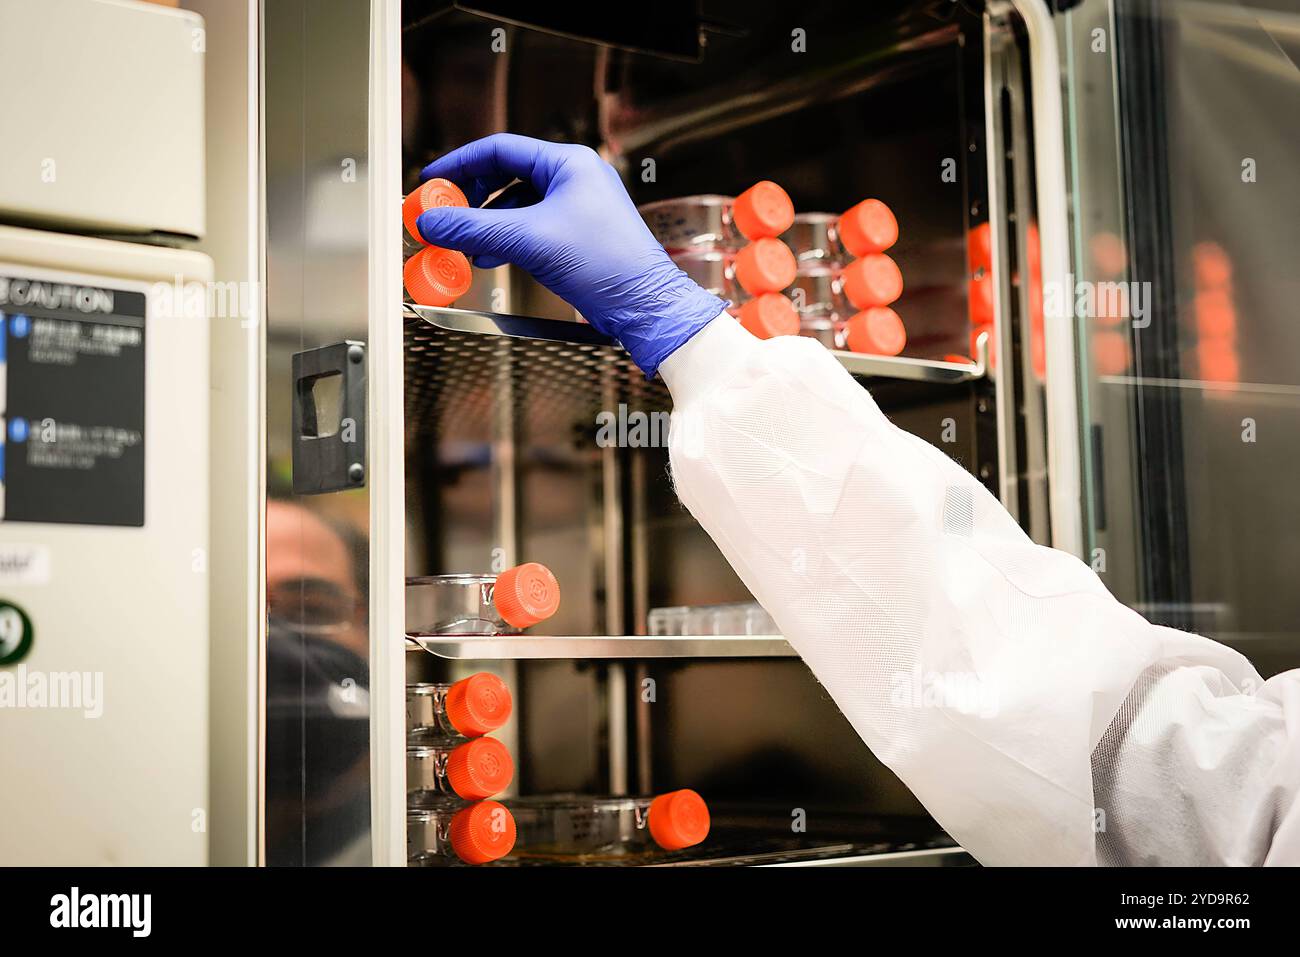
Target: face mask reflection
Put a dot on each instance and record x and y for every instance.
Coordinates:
(317, 729)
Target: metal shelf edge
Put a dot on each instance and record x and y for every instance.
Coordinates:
(556, 330)
(925, 857)
(512, 647)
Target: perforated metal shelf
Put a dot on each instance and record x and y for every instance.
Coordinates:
(558, 375)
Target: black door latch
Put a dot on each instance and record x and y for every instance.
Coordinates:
(329, 418)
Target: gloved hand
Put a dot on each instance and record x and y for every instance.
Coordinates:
(572, 226)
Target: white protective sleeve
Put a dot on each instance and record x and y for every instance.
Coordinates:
(1038, 719)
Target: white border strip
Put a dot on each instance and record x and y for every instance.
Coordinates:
(385, 478)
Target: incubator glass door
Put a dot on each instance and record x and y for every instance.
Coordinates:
(1186, 219)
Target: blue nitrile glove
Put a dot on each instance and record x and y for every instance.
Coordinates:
(572, 226)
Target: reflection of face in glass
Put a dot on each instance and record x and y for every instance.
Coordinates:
(317, 706)
(310, 578)
(317, 606)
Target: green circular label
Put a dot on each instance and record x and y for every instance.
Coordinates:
(15, 634)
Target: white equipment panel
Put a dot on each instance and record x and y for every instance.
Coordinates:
(103, 116)
(103, 552)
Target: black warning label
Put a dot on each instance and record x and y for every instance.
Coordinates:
(74, 411)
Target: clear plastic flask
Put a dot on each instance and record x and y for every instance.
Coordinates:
(477, 833)
(734, 618)
(710, 269)
(693, 223)
(446, 771)
(821, 304)
(468, 708)
(469, 604)
(611, 830)
(710, 222)
(814, 239)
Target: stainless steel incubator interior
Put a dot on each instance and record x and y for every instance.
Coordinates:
(501, 393)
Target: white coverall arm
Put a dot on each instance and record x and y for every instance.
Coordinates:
(1037, 719)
